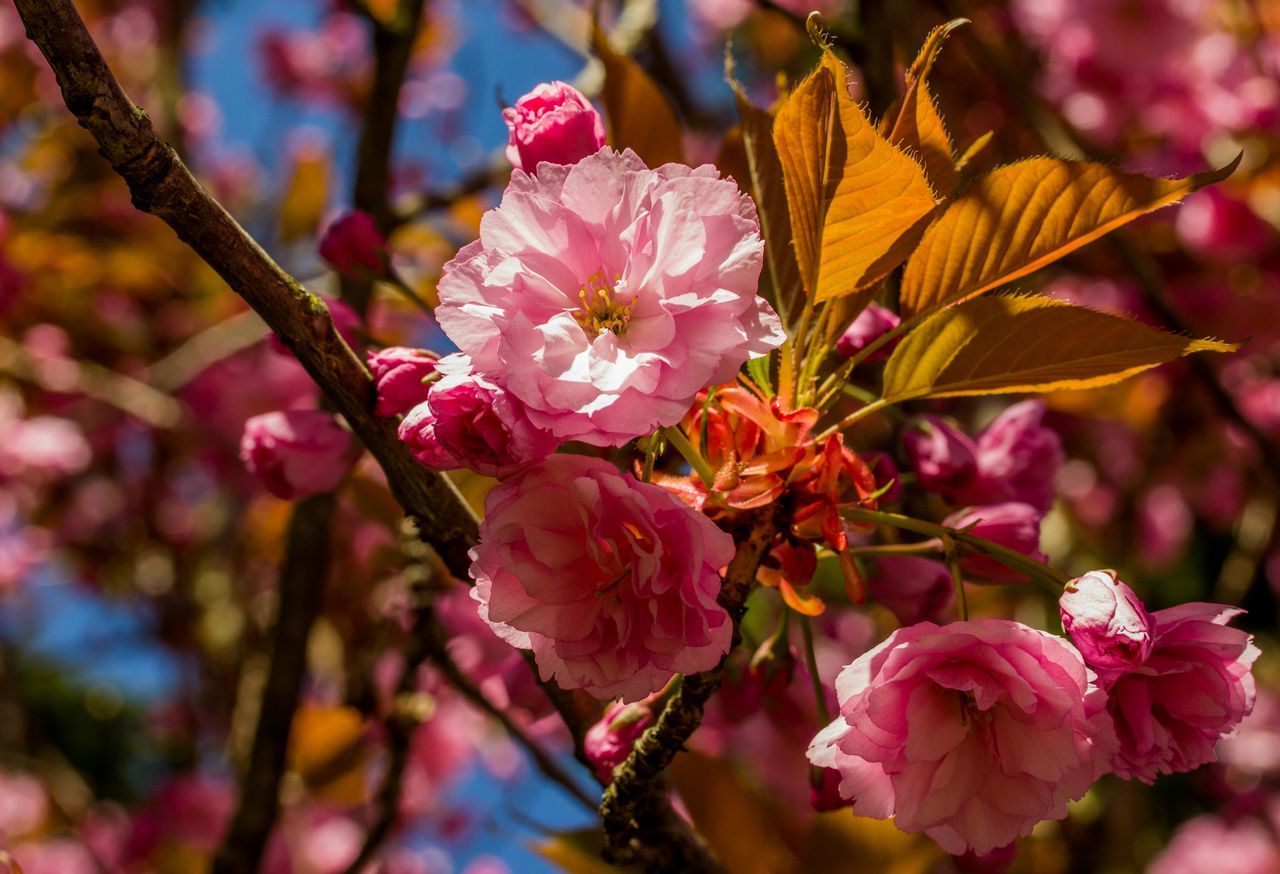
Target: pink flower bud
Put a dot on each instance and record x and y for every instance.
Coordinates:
(467, 421)
(554, 123)
(354, 246)
(915, 589)
(1107, 622)
(401, 374)
(1013, 525)
(870, 324)
(943, 456)
(1017, 458)
(297, 453)
(886, 473)
(608, 743)
(825, 796)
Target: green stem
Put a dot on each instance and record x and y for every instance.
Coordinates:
(1010, 558)
(811, 660)
(699, 464)
(920, 548)
(857, 415)
(957, 579)
(651, 455)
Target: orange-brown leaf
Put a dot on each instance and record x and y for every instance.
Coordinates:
(639, 115)
(918, 128)
(803, 133)
(997, 345)
(877, 200)
(1021, 217)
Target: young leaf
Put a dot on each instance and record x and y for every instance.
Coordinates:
(803, 134)
(997, 345)
(639, 115)
(770, 195)
(1019, 218)
(877, 199)
(917, 127)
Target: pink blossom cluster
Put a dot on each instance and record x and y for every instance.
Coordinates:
(974, 731)
(1167, 67)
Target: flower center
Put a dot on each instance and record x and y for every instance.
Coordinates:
(601, 310)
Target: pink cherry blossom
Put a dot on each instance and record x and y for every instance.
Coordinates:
(943, 456)
(610, 581)
(608, 743)
(1194, 688)
(401, 374)
(296, 453)
(1210, 843)
(1013, 525)
(605, 295)
(353, 245)
(555, 123)
(1107, 622)
(467, 421)
(916, 589)
(971, 732)
(870, 324)
(1017, 459)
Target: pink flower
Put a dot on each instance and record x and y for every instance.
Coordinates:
(608, 743)
(610, 581)
(1012, 525)
(1193, 689)
(1107, 622)
(605, 295)
(1209, 843)
(467, 421)
(970, 732)
(868, 326)
(1017, 459)
(401, 374)
(354, 246)
(825, 796)
(943, 456)
(915, 589)
(554, 123)
(41, 449)
(297, 453)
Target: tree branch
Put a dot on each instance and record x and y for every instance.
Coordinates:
(306, 562)
(637, 817)
(160, 184)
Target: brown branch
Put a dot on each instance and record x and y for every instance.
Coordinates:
(160, 184)
(306, 562)
(637, 817)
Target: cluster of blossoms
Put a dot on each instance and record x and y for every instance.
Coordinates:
(605, 302)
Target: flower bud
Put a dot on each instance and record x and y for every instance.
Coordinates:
(401, 375)
(1018, 459)
(916, 589)
(1013, 525)
(554, 123)
(869, 325)
(467, 421)
(353, 245)
(297, 453)
(1107, 622)
(608, 743)
(943, 456)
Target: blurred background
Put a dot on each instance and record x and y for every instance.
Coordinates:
(138, 559)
